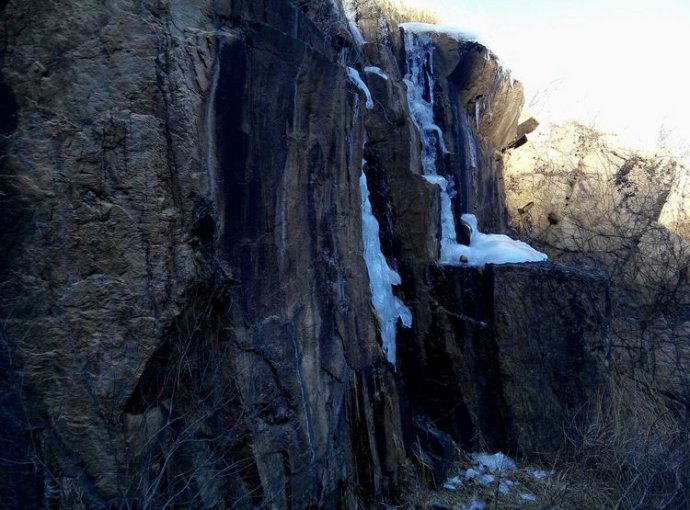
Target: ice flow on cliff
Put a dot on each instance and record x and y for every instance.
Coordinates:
(420, 81)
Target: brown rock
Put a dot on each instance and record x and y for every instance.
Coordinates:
(526, 127)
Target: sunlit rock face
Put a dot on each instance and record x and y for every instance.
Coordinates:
(186, 308)
(581, 198)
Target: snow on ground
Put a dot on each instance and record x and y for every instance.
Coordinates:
(527, 496)
(539, 474)
(476, 504)
(497, 473)
(485, 480)
(496, 463)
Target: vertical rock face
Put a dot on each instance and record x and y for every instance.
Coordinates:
(183, 287)
(100, 182)
(185, 307)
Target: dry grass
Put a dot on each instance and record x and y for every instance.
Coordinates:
(628, 451)
(400, 11)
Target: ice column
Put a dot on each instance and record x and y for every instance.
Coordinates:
(382, 277)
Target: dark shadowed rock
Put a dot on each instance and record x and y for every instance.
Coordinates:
(551, 326)
(512, 353)
(182, 181)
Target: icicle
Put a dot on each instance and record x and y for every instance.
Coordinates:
(351, 14)
(420, 82)
(354, 76)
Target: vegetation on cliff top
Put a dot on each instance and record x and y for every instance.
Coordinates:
(399, 11)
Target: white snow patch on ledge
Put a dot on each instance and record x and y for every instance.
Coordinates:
(454, 32)
(488, 249)
(354, 76)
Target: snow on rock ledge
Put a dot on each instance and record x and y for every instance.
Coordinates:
(454, 32)
(488, 249)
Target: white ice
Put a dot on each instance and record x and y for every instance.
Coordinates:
(351, 15)
(527, 496)
(420, 82)
(539, 474)
(479, 476)
(476, 504)
(488, 249)
(377, 71)
(453, 483)
(382, 278)
(354, 76)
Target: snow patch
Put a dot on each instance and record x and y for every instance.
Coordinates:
(493, 471)
(453, 483)
(476, 504)
(496, 463)
(505, 486)
(488, 249)
(527, 496)
(538, 474)
(454, 32)
(354, 76)
(382, 278)
(479, 476)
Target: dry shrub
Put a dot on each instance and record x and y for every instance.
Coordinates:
(628, 450)
(584, 201)
(401, 11)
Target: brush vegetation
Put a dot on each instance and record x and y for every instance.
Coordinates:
(400, 11)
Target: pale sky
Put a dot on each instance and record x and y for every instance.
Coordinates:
(622, 64)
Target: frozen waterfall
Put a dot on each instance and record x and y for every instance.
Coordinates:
(420, 81)
(382, 278)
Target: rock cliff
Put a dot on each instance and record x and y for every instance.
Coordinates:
(185, 304)
(587, 201)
